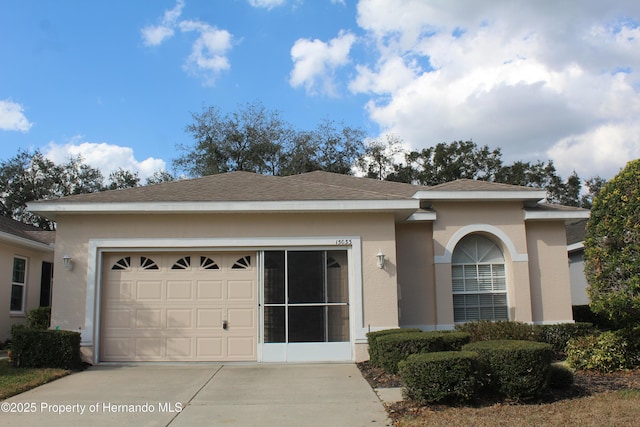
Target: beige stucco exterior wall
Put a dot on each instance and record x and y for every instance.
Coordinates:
(549, 272)
(32, 292)
(502, 222)
(376, 230)
(416, 275)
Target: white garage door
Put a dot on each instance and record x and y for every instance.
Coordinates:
(178, 307)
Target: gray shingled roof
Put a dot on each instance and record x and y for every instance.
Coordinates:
(473, 185)
(26, 231)
(247, 186)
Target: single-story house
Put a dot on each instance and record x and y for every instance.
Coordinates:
(246, 267)
(26, 265)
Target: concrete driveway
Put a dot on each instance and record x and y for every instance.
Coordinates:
(199, 395)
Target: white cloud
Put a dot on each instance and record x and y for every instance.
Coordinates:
(539, 82)
(12, 117)
(267, 4)
(315, 62)
(154, 35)
(208, 53)
(105, 157)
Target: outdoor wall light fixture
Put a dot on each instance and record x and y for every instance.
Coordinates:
(68, 265)
(380, 257)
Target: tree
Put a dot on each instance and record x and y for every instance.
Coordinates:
(257, 140)
(122, 178)
(160, 176)
(250, 139)
(338, 148)
(378, 160)
(542, 175)
(448, 162)
(31, 176)
(612, 248)
(594, 185)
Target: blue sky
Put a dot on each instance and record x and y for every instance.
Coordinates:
(117, 81)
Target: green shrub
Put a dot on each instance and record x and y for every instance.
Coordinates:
(372, 340)
(632, 336)
(560, 376)
(36, 348)
(393, 348)
(486, 330)
(39, 318)
(442, 376)
(518, 370)
(558, 335)
(605, 352)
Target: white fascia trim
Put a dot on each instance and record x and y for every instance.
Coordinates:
(352, 244)
(536, 215)
(480, 195)
(575, 247)
(422, 216)
(233, 206)
(31, 244)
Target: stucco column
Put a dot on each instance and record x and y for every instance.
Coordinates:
(444, 297)
(519, 292)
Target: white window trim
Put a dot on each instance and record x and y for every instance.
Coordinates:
(97, 247)
(474, 229)
(24, 286)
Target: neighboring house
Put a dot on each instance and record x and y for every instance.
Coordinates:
(575, 251)
(245, 267)
(26, 267)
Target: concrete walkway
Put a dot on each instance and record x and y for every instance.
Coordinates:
(199, 395)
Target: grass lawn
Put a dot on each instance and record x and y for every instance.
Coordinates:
(16, 380)
(612, 408)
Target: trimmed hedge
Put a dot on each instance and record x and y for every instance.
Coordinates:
(558, 335)
(487, 330)
(39, 318)
(560, 376)
(441, 376)
(392, 348)
(372, 340)
(518, 370)
(36, 348)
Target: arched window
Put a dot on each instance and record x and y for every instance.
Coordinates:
(479, 281)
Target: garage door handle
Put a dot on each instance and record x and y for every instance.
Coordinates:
(225, 325)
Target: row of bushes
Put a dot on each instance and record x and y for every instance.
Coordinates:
(387, 348)
(557, 335)
(517, 370)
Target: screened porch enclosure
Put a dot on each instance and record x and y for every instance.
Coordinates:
(306, 297)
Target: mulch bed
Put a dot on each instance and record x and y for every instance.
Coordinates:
(586, 383)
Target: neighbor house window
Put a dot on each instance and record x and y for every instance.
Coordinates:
(479, 281)
(18, 284)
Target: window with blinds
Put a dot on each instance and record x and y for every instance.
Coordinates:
(479, 280)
